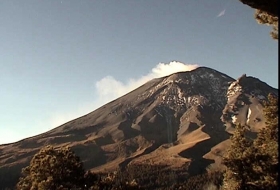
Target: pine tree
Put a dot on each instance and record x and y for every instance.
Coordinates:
(53, 169)
(266, 148)
(236, 160)
(254, 164)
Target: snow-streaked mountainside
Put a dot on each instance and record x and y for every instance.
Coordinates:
(184, 119)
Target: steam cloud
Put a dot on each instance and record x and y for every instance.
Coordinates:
(109, 88)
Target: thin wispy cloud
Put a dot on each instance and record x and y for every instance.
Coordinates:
(222, 13)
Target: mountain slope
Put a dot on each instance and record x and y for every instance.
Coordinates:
(175, 120)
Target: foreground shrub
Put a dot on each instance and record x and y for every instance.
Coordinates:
(53, 169)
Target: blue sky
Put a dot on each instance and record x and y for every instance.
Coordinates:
(61, 59)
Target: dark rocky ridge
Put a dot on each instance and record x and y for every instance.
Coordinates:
(176, 120)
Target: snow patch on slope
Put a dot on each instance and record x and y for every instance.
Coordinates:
(234, 119)
(248, 115)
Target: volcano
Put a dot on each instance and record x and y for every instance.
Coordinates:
(182, 119)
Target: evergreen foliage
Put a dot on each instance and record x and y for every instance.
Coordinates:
(157, 177)
(254, 164)
(53, 169)
(236, 160)
(266, 148)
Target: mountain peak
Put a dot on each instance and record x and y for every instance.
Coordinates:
(250, 85)
(180, 117)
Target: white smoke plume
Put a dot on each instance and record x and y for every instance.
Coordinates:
(109, 88)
